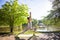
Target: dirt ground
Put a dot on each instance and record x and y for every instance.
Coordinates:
(11, 37)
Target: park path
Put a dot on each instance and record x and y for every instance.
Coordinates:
(27, 36)
(41, 36)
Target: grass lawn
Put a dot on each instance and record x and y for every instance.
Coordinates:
(30, 32)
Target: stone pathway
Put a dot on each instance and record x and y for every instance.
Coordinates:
(41, 36)
(27, 36)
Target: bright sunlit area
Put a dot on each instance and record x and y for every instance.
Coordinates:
(29, 19)
(38, 8)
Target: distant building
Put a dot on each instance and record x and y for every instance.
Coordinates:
(41, 25)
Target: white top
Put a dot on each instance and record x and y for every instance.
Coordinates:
(30, 25)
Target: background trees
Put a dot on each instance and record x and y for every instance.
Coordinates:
(13, 14)
(54, 16)
(34, 22)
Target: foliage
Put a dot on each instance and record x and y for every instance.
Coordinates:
(39, 21)
(13, 14)
(34, 22)
(52, 18)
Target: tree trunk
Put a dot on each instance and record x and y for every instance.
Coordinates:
(11, 24)
(11, 28)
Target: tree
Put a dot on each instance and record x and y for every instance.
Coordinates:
(53, 18)
(34, 22)
(13, 14)
(39, 21)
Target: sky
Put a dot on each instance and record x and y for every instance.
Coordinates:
(38, 8)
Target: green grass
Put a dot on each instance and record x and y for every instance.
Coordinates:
(30, 32)
(16, 32)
